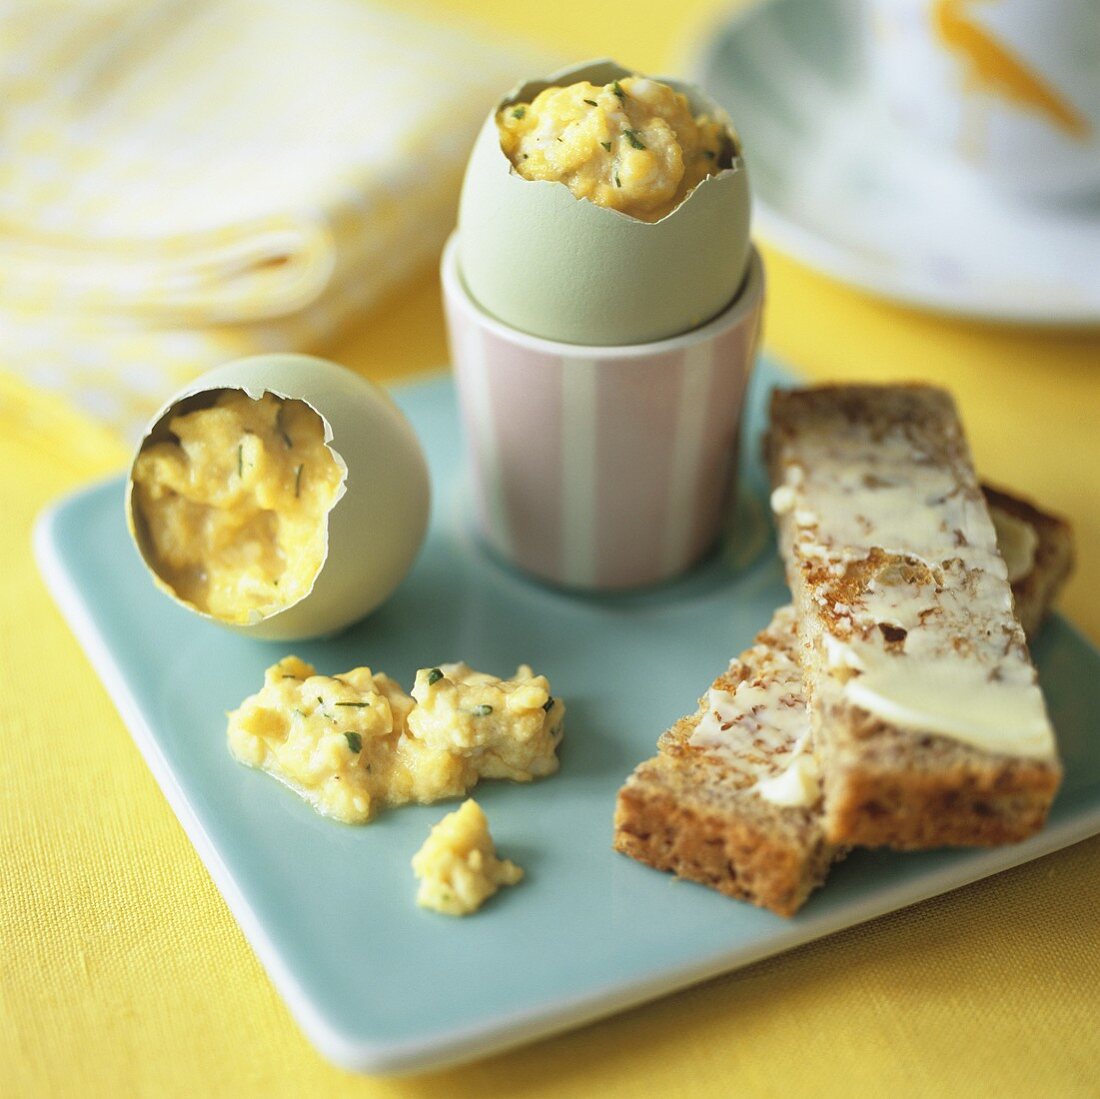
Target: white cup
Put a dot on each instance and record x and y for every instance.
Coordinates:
(1010, 88)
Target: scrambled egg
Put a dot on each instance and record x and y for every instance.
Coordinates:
(233, 505)
(632, 145)
(354, 743)
(509, 728)
(458, 866)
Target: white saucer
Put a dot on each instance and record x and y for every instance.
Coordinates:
(838, 186)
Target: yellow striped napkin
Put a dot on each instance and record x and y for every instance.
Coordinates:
(184, 181)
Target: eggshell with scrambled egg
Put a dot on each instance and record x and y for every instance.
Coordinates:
(541, 260)
(373, 510)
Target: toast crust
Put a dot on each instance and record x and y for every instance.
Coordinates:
(1053, 561)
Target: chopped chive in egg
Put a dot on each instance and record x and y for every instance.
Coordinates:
(606, 145)
(617, 88)
(282, 430)
(548, 705)
(355, 742)
(358, 705)
(240, 459)
(591, 102)
(434, 676)
(287, 675)
(482, 710)
(519, 112)
(633, 138)
(298, 482)
(618, 182)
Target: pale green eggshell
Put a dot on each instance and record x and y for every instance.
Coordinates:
(378, 523)
(552, 265)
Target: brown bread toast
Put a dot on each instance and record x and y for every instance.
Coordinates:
(927, 718)
(693, 811)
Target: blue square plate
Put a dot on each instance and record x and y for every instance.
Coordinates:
(382, 986)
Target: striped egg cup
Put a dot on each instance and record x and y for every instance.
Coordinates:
(601, 468)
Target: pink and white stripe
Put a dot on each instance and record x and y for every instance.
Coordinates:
(601, 467)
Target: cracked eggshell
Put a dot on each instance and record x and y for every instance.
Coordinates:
(541, 260)
(385, 475)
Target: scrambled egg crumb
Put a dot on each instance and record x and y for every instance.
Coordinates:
(632, 145)
(458, 866)
(234, 503)
(354, 743)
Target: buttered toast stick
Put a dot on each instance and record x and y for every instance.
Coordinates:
(927, 719)
(731, 800)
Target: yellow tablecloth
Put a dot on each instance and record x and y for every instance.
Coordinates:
(122, 972)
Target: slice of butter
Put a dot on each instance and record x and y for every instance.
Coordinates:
(941, 700)
(799, 784)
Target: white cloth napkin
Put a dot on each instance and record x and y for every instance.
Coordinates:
(184, 181)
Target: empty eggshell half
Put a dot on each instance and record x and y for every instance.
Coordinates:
(541, 260)
(329, 484)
